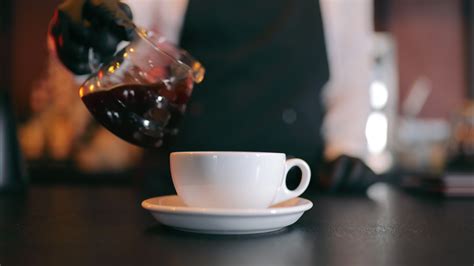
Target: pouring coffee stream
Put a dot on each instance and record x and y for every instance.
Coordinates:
(141, 95)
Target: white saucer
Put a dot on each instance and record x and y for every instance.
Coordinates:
(171, 211)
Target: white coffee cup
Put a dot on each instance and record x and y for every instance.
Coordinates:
(235, 179)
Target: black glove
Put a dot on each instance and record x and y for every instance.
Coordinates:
(346, 174)
(79, 25)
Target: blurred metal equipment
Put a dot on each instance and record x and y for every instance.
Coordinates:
(421, 142)
(12, 174)
(383, 93)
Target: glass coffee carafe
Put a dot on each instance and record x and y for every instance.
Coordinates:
(141, 95)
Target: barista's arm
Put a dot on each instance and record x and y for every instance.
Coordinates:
(348, 31)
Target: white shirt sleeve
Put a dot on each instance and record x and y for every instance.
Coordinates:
(349, 32)
(163, 16)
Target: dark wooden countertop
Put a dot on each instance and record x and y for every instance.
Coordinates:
(105, 225)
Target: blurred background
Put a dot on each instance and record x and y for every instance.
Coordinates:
(420, 94)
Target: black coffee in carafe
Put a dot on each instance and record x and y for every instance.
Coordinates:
(143, 114)
(141, 94)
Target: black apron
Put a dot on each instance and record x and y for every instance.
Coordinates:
(265, 68)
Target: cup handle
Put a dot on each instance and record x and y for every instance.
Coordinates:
(283, 192)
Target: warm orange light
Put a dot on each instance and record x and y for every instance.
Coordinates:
(81, 92)
(91, 87)
(111, 69)
(125, 54)
(131, 50)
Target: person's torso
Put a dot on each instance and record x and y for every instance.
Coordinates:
(266, 65)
